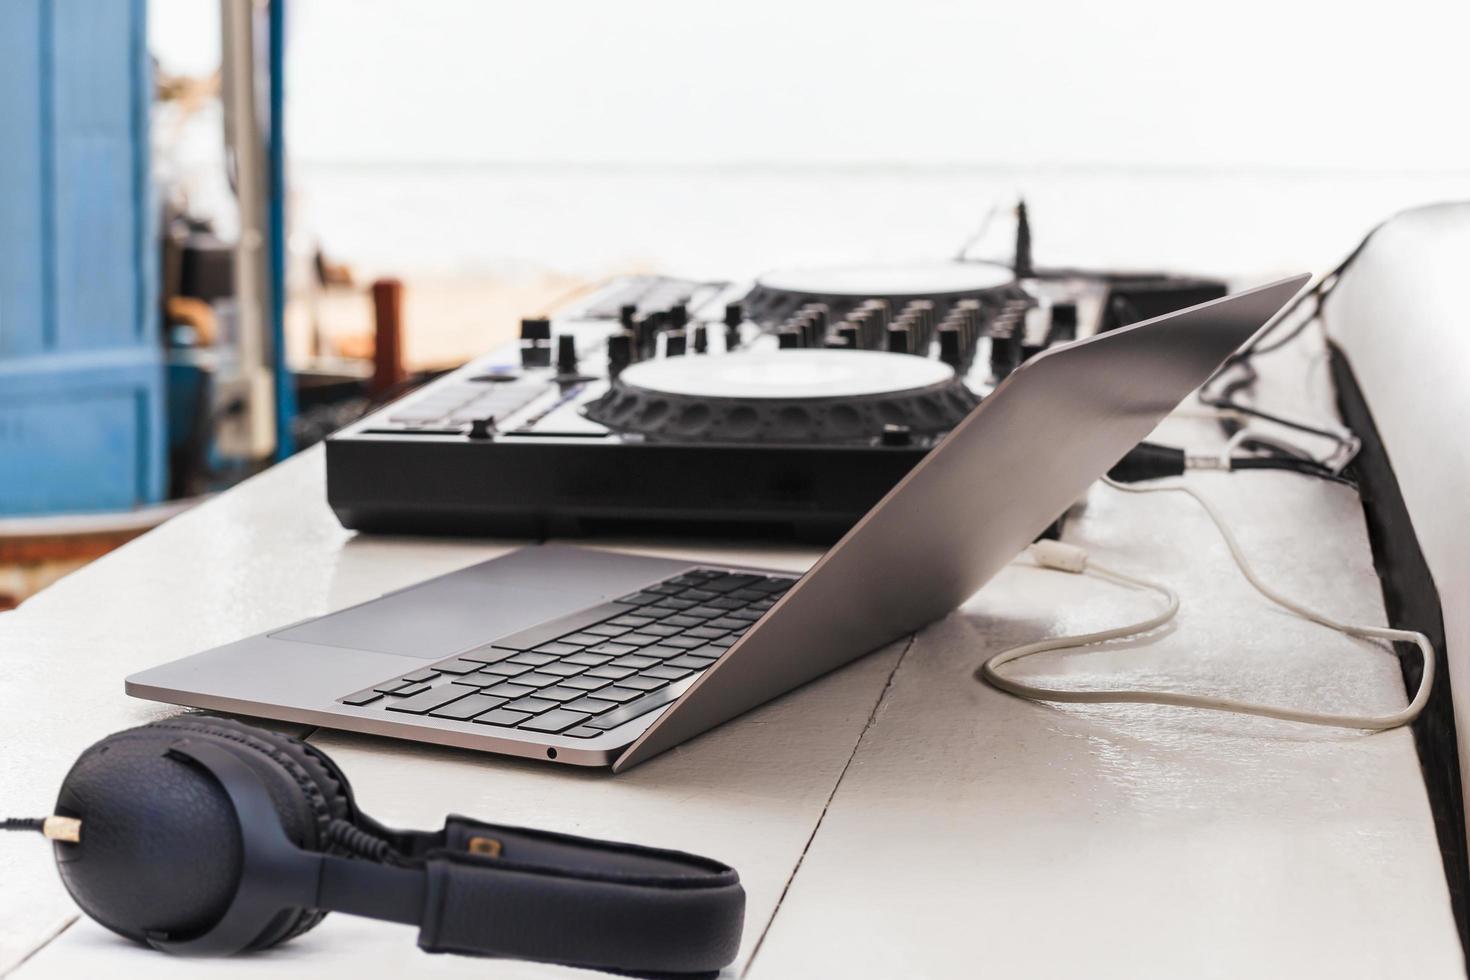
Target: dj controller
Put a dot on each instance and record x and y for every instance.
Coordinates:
(788, 405)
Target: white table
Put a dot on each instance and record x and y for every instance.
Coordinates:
(892, 819)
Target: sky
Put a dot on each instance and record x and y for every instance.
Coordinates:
(1135, 84)
(449, 137)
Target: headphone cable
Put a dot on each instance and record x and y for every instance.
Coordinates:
(37, 824)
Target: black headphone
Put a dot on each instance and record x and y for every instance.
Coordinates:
(205, 836)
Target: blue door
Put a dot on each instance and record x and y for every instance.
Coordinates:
(81, 376)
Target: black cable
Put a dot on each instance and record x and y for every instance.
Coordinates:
(1153, 461)
(36, 824)
(355, 840)
(1225, 399)
(1306, 467)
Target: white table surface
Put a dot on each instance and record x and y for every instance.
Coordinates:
(895, 818)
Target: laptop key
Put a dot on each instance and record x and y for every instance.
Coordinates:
(583, 639)
(663, 652)
(639, 599)
(668, 602)
(503, 717)
(729, 583)
(704, 613)
(643, 683)
(725, 641)
(664, 672)
(638, 639)
(457, 666)
(635, 661)
(560, 693)
(466, 708)
(563, 669)
(426, 701)
(630, 621)
(697, 594)
(583, 682)
(684, 622)
(487, 654)
(557, 649)
(748, 615)
(606, 629)
(690, 662)
(612, 649)
(409, 691)
(532, 706)
(508, 668)
(706, 633)
(634, 709)
(532, 659)
(658, 629)
(581, 732)
(684, 642)
(538, 678)
(421, 676)
(610, 672)
(509, 690)
(362, 698)
(619, 694)
(556, 628)
(554, 721)
(746, 595)
(588, 659)
(591, 706)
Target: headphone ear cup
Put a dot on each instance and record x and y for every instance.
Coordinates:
(318, 784)
(161, 850)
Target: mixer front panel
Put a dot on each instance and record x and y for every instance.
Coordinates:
(790, 404)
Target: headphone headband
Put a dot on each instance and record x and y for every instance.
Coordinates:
(479, 888)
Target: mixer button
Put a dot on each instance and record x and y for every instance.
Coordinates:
(701, 339)
(900, 339)
(619, 351)
(951, 350)
(896, 435)
(676, 342)
(566, 354)
(1063, 326)
(536, 328)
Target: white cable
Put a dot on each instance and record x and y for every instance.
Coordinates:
(1068, 558)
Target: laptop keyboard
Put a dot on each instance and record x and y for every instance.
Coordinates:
(593, 670)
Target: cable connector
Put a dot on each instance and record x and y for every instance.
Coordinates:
(1148, 461)
(1062, 557)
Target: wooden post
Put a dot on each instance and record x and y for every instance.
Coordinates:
(388, 367)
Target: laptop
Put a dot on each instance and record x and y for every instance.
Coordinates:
(595, 658)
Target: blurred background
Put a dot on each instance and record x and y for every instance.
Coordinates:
(197, 197)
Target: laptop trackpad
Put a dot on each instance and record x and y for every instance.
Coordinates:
(437, 618)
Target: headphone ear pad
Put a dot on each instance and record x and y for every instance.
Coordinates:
(161, 850)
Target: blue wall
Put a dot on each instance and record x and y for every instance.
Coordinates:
(81, 376)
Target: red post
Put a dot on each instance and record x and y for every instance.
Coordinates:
(388, 367)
